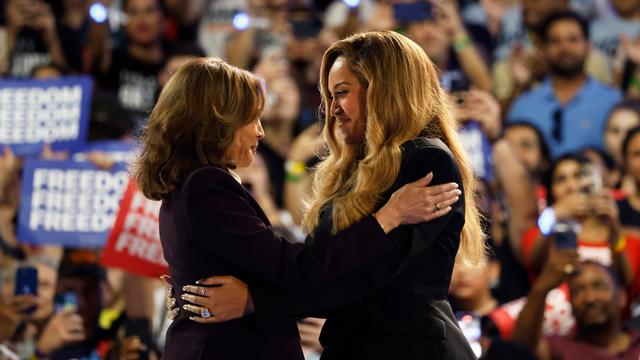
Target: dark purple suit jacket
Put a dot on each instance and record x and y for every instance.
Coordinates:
(212, 226)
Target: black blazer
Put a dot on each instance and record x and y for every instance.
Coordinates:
(212, 226)
(391, 312)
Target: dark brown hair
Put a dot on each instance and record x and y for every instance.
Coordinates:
(193, 123)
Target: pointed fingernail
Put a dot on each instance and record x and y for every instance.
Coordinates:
(184, 288)
(183, 296)
(184, 307)
(199, 282)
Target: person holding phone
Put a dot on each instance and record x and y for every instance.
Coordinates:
(387, 124)
(32, 37)
(206, 123)
(587, 213)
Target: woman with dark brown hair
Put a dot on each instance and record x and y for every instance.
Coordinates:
(387, 123)
(206, 123)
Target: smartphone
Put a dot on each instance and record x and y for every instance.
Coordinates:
(565, 236)
(26, 282)
(141, 328)
(416, 11)
(591, 180)
(65, 300)
(459, 87)
(470, 325)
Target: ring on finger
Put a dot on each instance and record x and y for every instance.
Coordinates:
(568, 269)
(205, 313)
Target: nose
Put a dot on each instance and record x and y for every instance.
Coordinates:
(335, 108)
(260, 130)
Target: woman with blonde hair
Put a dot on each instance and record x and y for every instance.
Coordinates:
(206, 123)
(387, 124)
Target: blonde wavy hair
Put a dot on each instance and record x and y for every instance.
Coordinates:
(193, 123)
(404, 100)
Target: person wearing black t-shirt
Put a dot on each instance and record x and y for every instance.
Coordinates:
(134, 68)
(32, 37)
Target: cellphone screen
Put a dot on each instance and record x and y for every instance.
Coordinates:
(65, 300)
(26, 281)
(565, 237)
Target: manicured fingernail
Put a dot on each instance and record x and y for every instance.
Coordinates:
(183, 296)
(199, 282)
(184, 307)
(192, 317)
(184, 288)
(456, 198)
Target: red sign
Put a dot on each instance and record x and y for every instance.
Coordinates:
(134, 242)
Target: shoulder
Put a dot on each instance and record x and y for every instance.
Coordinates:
(535, 94)
(424, 148)
(423, 155)
(600, 90)
(210, 178)
(528, 102)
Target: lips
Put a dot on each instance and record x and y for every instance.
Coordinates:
(342, 121)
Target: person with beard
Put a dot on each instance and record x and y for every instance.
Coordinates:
(597, 300)
(519, 59)
(569, 107)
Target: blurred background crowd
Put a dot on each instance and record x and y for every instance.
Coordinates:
(547, 94)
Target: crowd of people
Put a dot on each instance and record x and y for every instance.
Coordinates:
(546, 94)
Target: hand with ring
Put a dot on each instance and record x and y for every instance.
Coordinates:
(560, 266)
(419, 202)
(172, 309)
(228, 301)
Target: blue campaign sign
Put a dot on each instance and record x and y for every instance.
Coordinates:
(120, 151)
(35, 112)
(69, 203)
(479, 149)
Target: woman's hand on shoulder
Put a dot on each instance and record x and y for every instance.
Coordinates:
(418, 202)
